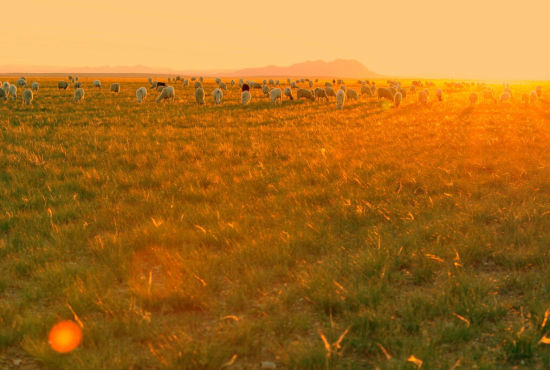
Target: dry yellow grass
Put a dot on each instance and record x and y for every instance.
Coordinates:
(202, 237)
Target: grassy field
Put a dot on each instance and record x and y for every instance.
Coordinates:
(185, 237)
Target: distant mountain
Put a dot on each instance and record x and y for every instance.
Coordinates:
(338, 68)
(318, 68)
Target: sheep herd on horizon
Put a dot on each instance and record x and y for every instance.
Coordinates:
(393, 92)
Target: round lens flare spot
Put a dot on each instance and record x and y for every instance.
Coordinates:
(65, 336)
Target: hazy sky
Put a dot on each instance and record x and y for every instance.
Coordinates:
(427, 38)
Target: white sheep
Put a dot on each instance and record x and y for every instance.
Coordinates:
(328, 84)
(232, 83)
(201, 79)
(276, 95)
(222, 86)
(329, 91)
(21, 82)
(218, 81)
(167, 93)
(351, 94)
(310, 84)
(27, 97)
(78, 95)
(271, 82)
(115, 87)
(343, 87)
(365, 90)
(13, 92)
(97, 84)
(245, 97)
(141, 93)
(397, 99)
(265, 90)
(34, 86)
(320, 93)
(305, 93)
(6, 87)
(199, 96)
(340, 98)
(62, 85)
(218, 95)
(293, 84)
(77, 85)
(288, 93)
(198, 84)
(186, 82)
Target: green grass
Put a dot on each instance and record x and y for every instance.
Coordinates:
(182, 235)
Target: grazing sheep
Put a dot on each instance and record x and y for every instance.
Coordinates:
(21, 82)
(343, 87)
(97, 84)
(222, 86)
(439, 94)
(62, 85)
(232, 83)
(197, 84)
(397, 99)
(288, 93)
(78, 95)
(6, 87)
(329, 91)
(373, 88)
(320, 93)
(245, 97)
(386, 93)
(276, 95)
(185, 82)
(13, 92)
(328, 84)
(505, 96)
(34, 86)
(27, 97)
(201, 79)
(241, 83)
(340, 98)
(150, 80)
(293, 84)
(193, 78)
(423, 97)
(265, 90)
(115, 87)
(277, 83)
(218, 81)
(160, 88)
(199, 96)
(77, 85)
(218, 95)
(310, 84)
(3, 95)
(351, 94)
(141, 93)
(473, 98)
(538, 90)
(154, 84)
(365, 90)
(305, 93)
(271, 82)
(533, 96)
(167, 92)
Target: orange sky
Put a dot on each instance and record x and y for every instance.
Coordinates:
(427, 38)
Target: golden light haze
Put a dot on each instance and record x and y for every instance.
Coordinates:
(502, 39)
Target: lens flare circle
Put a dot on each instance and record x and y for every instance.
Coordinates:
(65, 336)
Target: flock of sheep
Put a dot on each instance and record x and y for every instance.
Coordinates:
(272, 89)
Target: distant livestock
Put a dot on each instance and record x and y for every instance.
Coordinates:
(423, 97)
(329, 91)
(218, 95)
(340, 98)
(62, 85)
(320, 93)
(276, 95)
(97, 84)
(167, 93)
(245, 96)
(304, 93)
(141, 93)
(13, 92)
(439, 94)
(351, 94)
(35, 86)
(386, 93)
(199, 96)
(27, 97)
(115, 87)
(78, 95)
(288, 93)
(397, 99)
(473, 98)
